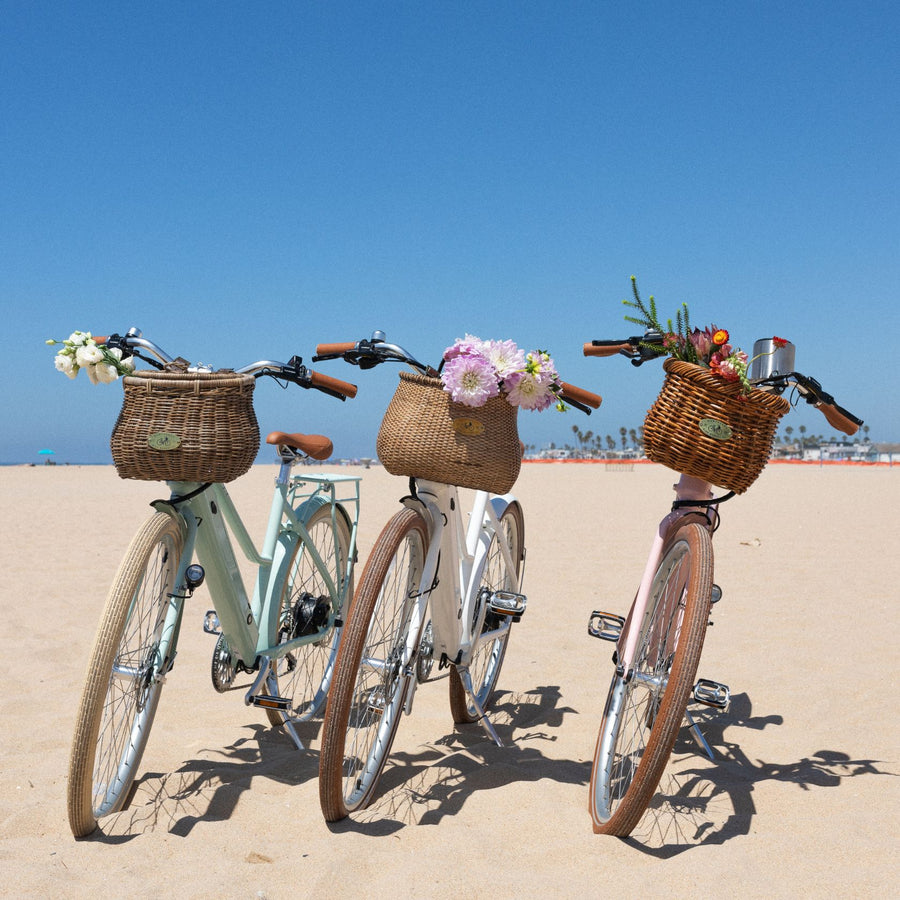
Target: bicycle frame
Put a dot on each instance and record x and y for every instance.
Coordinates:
(449, 585)
(250, 623)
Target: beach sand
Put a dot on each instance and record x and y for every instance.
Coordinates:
(800, 801)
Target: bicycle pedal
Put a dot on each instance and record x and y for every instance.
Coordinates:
(712, 693)
(211, 623)
(606, 626)
(507, 603)
(267, 701)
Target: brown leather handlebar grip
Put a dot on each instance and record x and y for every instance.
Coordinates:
(836, 419)
(334, 349)
(606, 349)
(333, 384)
(580, 395)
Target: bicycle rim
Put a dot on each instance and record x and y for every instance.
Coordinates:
(369, 688)
(304, 675)
(645, 708)
(124, 681)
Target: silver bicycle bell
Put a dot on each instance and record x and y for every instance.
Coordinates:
(769, 360)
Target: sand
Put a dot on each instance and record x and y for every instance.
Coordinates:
(801, 799)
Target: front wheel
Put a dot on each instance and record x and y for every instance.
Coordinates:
(645, 706)
(125, 676)
(369, 685)
(490, 648)
(307, 606)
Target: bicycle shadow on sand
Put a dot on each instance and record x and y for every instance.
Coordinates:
(423, 787)
(415, 788)
(703, 802)
(208, 788)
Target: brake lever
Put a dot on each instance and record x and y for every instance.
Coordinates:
(812, 393)
(647, 348)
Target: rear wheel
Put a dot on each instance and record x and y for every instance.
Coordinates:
(125, 676)
(491, 647)
(369, 686)
(645, 707)
(304, 675)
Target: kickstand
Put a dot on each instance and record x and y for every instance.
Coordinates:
(698, 734)
(272, 685)
(289, 728)
(466, 679)
(270, 700)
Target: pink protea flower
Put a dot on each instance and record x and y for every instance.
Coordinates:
(470, 380)
(702, 343)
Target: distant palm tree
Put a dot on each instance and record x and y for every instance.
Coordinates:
(623, 433)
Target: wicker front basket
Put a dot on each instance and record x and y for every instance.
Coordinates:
(186, 426)
(707, 427)
(425, 434)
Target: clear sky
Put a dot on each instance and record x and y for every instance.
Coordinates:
(244, 180)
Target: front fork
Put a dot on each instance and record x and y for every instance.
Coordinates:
(183, 588)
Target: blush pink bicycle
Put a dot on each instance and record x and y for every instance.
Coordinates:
(659, 642)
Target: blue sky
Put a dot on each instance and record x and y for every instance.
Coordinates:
(244, 180)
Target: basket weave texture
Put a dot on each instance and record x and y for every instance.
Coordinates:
(186, 426)
(694, 403)
(424, 434)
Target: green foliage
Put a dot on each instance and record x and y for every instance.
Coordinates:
(675, 339)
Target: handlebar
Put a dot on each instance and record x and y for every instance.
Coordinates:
(579, 397)
(373, 351)
(134, 344)
(811, 391)
(638, 349)
(650, 346)
(370, 352)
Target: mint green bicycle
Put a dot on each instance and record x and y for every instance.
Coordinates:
(284, 632)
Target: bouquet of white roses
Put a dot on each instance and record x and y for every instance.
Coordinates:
(81, 351)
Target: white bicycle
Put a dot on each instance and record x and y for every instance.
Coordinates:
(433, 589)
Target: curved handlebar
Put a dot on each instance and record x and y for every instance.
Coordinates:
(133, 344)
(373, 351)
(812, 392)
(650, 346)
(370, 352)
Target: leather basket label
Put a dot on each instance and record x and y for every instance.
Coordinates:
(713, 428)
(468, 426)
(164, 440)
